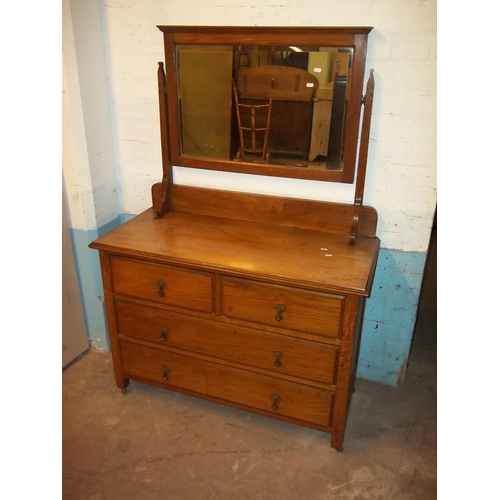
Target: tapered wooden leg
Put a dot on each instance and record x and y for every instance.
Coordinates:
(345, 373)
(338, 448)
(338, 437)
(122, 383)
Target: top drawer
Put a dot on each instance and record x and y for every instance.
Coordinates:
(160, 283)
(283, 307)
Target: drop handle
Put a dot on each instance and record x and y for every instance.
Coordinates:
(277, 358)
(161, 285)
(275, 399)
(280, 308)
(165, 371)
(163, 335)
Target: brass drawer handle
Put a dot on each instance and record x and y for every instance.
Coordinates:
(165, 371)
(281, 309)
(164, 331)
(161, 285)
(276, 399)
(277, 356)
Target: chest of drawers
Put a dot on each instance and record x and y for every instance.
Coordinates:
(263, 317)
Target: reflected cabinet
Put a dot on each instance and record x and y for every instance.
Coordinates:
(248, 300)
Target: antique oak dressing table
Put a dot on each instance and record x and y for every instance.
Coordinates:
(248, 300)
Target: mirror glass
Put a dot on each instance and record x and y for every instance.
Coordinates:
(266, 105)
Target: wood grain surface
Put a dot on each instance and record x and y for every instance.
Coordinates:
(310, 259)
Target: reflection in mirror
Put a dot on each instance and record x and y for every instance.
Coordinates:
(276, 105)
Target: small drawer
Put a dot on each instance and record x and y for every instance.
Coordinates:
(164, 284)
(305, 359)
(282, 307)
(264, 393)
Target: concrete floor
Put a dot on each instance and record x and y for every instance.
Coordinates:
(155, 444)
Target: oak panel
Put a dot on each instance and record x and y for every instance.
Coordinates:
(246, 346)
(302, 310)
(281, 254)
(229, 384)
(181, 287)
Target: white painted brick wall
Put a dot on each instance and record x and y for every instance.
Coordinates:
(76, 175)
(89, 164)
(401, 180)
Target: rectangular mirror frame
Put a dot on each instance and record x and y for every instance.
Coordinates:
(349, 37)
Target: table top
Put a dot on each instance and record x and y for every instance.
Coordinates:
(305, 258)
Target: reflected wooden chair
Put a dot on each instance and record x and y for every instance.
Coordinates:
(254, 121)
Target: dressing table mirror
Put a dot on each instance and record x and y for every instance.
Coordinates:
(248, 300)
(313, 78)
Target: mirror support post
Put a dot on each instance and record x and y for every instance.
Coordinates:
(161, 193)
(363, 156)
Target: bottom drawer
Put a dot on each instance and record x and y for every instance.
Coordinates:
(230, 384)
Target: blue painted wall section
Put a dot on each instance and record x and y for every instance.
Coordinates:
(89, 276)
(389, 315)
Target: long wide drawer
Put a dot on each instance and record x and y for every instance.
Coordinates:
(229, 384)
(164, 284)
(283, 307)
(281, 354)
